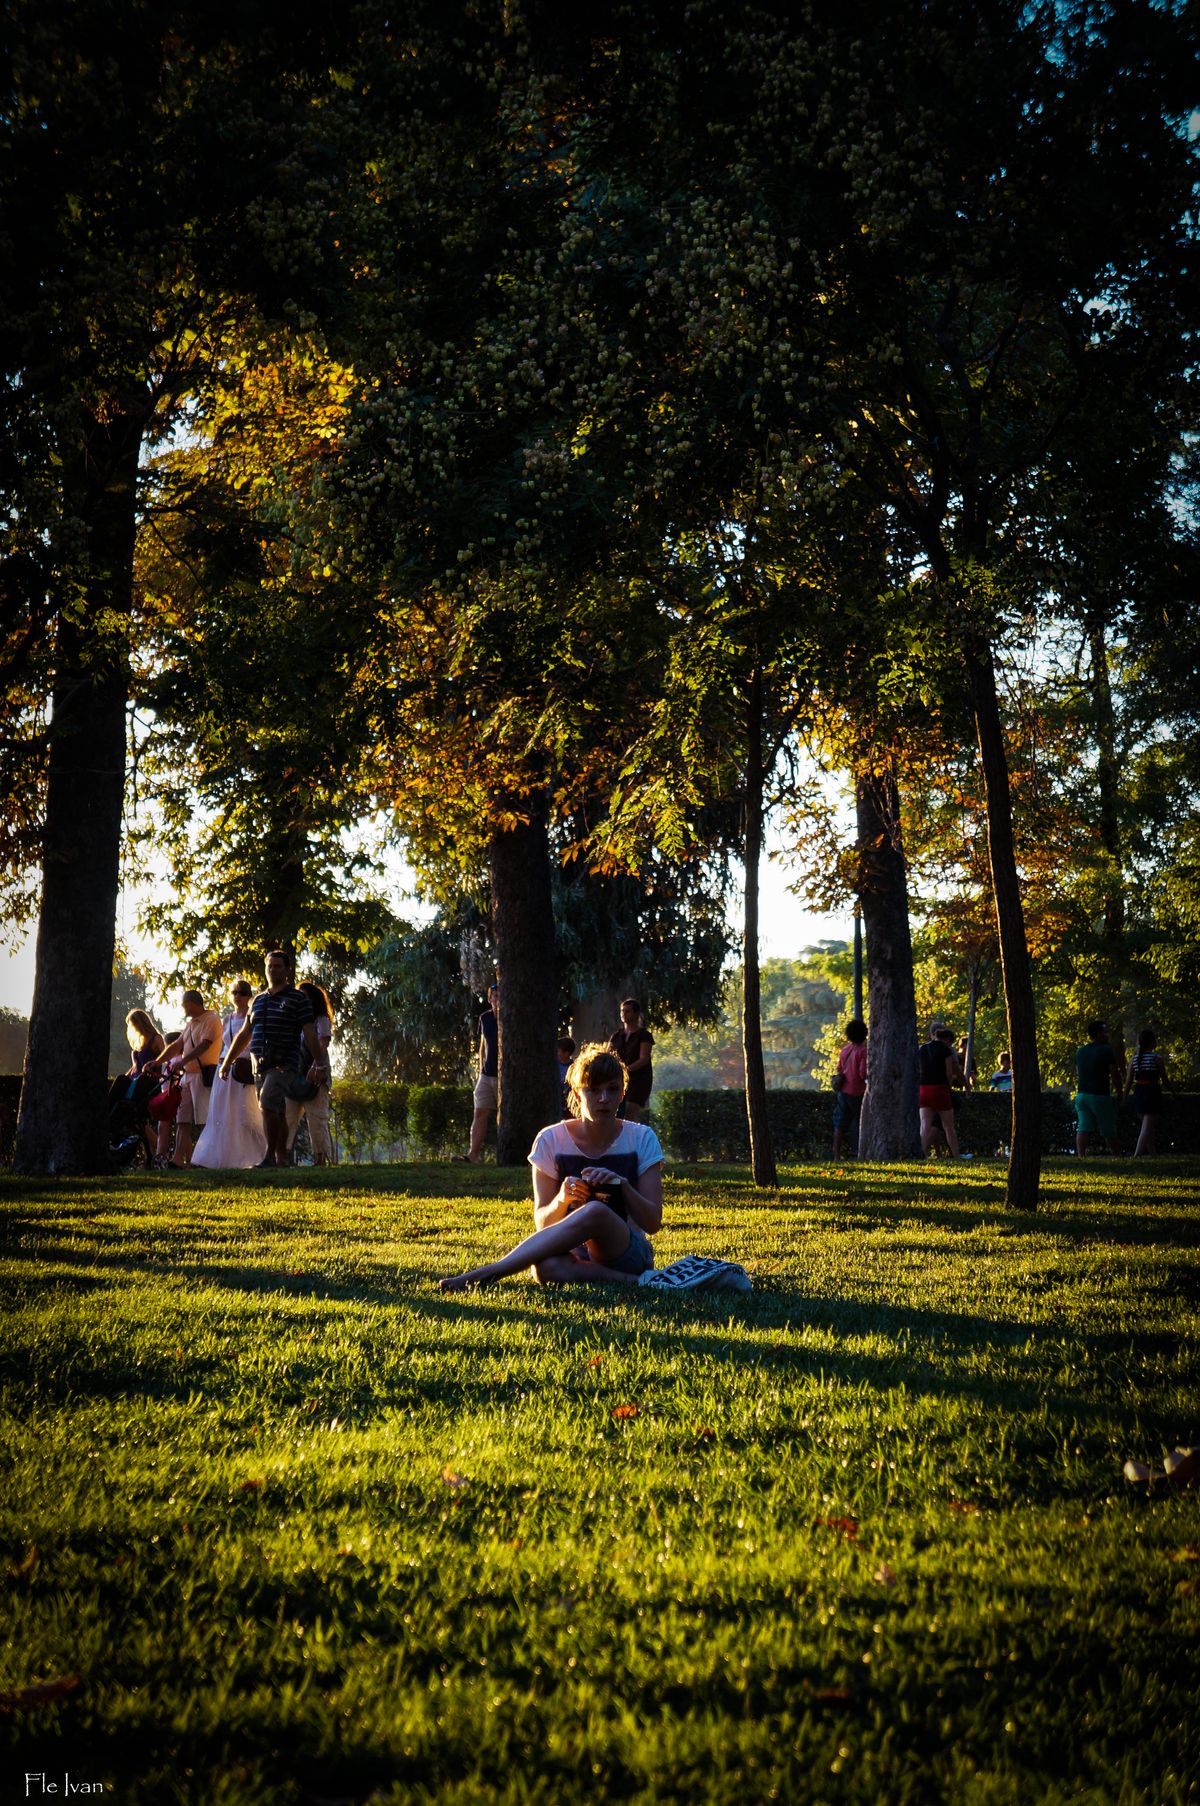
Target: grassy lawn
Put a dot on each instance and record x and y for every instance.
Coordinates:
(306, 1530)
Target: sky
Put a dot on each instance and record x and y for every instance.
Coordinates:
(787, 928)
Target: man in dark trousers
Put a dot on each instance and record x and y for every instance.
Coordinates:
(278, 1029)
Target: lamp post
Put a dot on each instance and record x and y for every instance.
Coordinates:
(858, 962)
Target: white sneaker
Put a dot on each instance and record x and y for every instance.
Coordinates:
(695, 1271)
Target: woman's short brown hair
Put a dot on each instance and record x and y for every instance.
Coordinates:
(592, 1065)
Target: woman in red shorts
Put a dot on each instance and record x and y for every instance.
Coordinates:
(939, 1065)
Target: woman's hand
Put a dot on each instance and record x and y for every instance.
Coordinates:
(602, 1177)
(574, 1192)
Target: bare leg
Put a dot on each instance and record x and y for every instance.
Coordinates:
(948, 1130)
(594, 1223)
(479, 1125)
(275, 1129)
(1145, 1140)
(929, 1130)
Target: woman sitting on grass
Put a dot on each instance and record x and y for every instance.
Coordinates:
(597, 1189)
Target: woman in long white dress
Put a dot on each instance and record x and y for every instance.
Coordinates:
(233, 1135)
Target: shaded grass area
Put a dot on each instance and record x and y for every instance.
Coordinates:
(308, 1530)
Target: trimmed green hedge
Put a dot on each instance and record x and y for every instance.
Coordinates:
(439, 1118)
(380, 1120)
(371, 1119)
(711, 1125)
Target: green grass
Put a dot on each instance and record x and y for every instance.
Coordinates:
(308, 1530)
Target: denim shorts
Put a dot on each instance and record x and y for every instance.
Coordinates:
(637, 1258)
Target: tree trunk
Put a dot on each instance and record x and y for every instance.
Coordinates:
(1025, 1159)
(762, 1153)
(1112, 929)
(890, 1118)
(523, 930)
(597, 1017)
(63, 1126)
(972, 1016)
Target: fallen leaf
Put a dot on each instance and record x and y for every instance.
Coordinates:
(847, 1526)
(620, 1411)
(514, 1542)
(886, 1575)
(596, 1361)
(24, 1570)
(452, 1478)
(1187, 1589)
(1189, 1552)
(251, 1485)
(706, 1434)
(830, 1696)
(41, 1693)
(965, 1506)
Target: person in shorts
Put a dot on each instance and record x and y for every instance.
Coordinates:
(1096, 1065)
(938, 1068)
(597, 1189)
(487, 1084)
(279, 1032)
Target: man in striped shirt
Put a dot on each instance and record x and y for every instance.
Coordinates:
(277, 1030)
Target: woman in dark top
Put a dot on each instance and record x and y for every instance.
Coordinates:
(1147, 1071)
(939, 1066)
(632, 1044)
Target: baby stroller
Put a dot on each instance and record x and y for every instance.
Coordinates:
(130, 1123)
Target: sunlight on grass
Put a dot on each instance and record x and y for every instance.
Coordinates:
(306, 1528)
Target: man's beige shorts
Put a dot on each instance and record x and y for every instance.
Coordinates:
(193, 1102)
(487, 1093)
(271, 1092)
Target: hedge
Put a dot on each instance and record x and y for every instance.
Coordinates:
(711, 1125)
(439, 1118)
(380, 1120)
(370, 1119)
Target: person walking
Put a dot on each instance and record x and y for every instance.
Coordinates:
(487, 1083)
(850, 1091)
(1096, 1064)
(1145, 1080)
(198, 1051)
(632, 1045)
(233, 1135)
(939, 1068)
(278, 1031)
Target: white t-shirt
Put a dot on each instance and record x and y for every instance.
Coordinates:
(635, 1149)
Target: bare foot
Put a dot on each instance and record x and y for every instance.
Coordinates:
(463, 1282)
